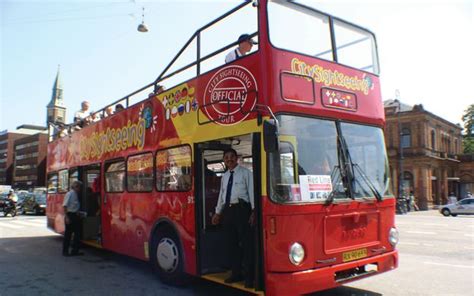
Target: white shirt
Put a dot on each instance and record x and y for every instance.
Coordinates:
(71, 202)
(233, 55)
(81, 114)
(242, 188)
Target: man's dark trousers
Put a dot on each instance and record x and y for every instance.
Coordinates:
(236, 224)
(73, 227)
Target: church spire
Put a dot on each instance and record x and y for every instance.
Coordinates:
(56, 110)
(57, 97)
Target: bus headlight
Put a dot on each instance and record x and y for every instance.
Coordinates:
(296, 253)
(393, 236)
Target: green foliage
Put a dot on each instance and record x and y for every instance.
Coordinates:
(468, 138)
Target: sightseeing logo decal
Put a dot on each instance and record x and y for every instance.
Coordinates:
(332, 78)
(179, 102)
(230, 95)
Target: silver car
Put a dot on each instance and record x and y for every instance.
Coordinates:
(463, 207)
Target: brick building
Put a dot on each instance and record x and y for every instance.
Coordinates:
(7, 151)
(30, 159)
(431, 147)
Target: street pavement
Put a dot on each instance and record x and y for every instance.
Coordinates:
(436, 258)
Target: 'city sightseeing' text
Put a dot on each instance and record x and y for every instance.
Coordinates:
(97, 144)
(329, 77)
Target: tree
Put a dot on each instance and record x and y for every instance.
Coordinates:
(468, 138)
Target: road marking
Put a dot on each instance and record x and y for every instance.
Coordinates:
(435, 224)
(421, 232)
(428, 245)
(469, 248)
(470, 235)
(31, 223)
(409, 243)
(450, 265)
(11, 226)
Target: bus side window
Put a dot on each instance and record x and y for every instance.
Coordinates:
(115, 176)
(140, 173)
(173, 169)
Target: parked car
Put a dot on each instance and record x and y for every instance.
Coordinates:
(463, 207)
(34, 203)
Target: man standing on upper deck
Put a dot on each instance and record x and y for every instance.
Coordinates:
(81, 116)
(245, 45)
(235, 205)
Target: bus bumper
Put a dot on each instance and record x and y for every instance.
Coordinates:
(313, 280)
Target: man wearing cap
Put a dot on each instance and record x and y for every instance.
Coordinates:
(245, 45)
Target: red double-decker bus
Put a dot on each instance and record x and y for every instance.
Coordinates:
(302, 109)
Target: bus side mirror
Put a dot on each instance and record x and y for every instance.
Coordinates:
(270, 136)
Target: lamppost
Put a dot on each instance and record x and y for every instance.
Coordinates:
(401, 203)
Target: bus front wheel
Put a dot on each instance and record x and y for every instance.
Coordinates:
(167, 257)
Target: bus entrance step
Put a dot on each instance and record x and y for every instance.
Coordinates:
(220, 278)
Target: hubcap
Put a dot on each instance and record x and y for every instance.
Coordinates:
(167, 255)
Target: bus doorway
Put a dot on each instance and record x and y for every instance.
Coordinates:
(212, 240)
(91, 204)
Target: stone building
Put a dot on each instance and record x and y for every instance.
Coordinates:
(430, 148)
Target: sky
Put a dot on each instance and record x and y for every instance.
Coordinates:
(425, 50)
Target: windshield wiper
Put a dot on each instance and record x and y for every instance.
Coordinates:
(330, 198)
(347, 172)
(368, 182)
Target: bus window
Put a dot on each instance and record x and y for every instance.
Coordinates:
(173, 169)
(355, 47)
(52, 183)
(115, 176)
(293, 34)
(73, 175)
(369, 159)
(63, 181)
(140, 173)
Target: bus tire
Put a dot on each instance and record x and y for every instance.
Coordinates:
(167, 257)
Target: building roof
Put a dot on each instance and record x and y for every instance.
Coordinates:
(395, 103)
(29, 129)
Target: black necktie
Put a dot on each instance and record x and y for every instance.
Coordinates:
(229, 189)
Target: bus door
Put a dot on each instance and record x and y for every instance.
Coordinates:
(209, 169)
(213, 255)
(112, 214)
(91, 202)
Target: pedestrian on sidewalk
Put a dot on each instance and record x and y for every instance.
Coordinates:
(452, 199)
(72, 220)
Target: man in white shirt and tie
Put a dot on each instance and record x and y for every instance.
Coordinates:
(235, 207)
(245, 45)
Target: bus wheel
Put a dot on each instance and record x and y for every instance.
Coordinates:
(167, 257)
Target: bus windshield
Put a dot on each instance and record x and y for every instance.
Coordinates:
(297, 26)
(309, 166)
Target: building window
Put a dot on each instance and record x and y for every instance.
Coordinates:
(406, 138)
(173, 169)
(140, 173)
(115, 176)
(455, 146)
(433, 140)
(407, 183)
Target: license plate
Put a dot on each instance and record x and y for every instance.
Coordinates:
(354, 255)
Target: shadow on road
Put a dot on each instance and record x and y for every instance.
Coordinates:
(39, 260)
